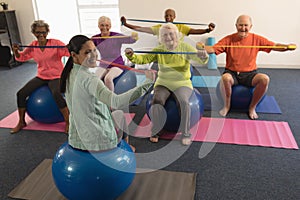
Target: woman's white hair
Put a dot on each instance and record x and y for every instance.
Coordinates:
(169, 26)
(104, 19)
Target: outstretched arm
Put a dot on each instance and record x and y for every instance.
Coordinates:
(136, 28)
(210, 28)
(208, 49)
(284, 47)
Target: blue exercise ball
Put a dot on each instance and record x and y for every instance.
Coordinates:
(42, 108)
(173, 116)
(88, 175)
(192, 71)
(125, 81)
(240, 98)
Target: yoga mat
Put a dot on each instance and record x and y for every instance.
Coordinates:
(154, 185)
(205, 81)
(233, 131)
(11, 121)
(267, 105)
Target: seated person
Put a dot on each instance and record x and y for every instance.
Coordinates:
(173, 77)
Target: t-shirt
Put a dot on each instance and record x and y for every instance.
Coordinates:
(183, 29)
(174, 69)
(110, 48)
(242, 59)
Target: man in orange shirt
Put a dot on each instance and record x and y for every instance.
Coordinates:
(241, 50)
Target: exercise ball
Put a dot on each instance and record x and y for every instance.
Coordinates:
(240, 98)
(42, 108)
(88, 175)
(125, 81)
(173, 116)
(192, 72)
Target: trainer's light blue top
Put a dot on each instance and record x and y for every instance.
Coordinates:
(89, 102)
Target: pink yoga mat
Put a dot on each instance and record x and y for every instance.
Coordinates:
(233, 131)
(221, 130)
(11, 121)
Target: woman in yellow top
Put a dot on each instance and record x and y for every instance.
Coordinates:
(173, 57)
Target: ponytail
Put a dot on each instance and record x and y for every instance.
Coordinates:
(74, 46)
(65, 74)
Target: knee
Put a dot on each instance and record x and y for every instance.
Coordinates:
(227, 79)
(108, 79)
(183, 102)
(266, 80)
(22, 95)
(263, 80)
(157, 100)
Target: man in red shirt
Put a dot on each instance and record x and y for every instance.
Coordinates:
(241, 50)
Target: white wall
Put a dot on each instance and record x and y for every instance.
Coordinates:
(25, 16)
(63, 19)
(276, 20)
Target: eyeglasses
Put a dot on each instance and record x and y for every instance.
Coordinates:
(40, 32)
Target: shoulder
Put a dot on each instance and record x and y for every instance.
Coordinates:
(156, 26)
(34, 43)
(258, 36)
(115, 33)
(55, 41)
(229, 37)
(182, 26)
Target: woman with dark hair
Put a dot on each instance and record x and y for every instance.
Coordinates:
(49, 68)
(92, 124)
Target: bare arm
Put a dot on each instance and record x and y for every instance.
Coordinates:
(15, 48)
(284, 47)
(136, 28)
(208, 49)
(210, 28)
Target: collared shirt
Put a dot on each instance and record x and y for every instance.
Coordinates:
(89, 102)
(49, 61)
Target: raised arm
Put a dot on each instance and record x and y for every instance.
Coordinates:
(136, 28)
(210, 28)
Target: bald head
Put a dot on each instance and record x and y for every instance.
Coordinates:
(243, 25)
(244, 18)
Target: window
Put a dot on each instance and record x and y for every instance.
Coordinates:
(89, 12)
(68, 18)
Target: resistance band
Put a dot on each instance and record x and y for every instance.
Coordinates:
(123, 66)
(116, 36)
(270, 47)
(42, 46)
(157, 21)
(165, 52)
